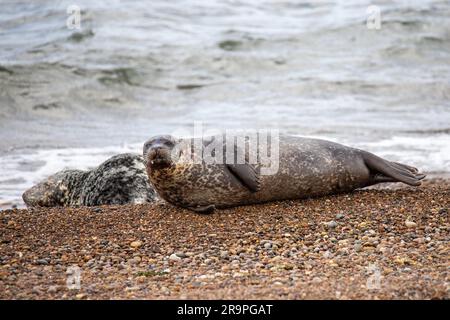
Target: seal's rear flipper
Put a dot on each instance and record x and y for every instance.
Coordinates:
(404, 166)
(386, 171)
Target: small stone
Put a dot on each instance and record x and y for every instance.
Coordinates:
(267, 245)
(90, 263)
(165, 291)
(42, 261)
(36, 290)
(410, 224)
(225, 268)
(381, 249)
(80, 296)
(327, 254)
(136, 244)
(339, 216)
(134, 288)
(52, 289)
(288, 267)
(332, 224)
(181, 254)
(174, 257)
(403, 261)
(316, 280)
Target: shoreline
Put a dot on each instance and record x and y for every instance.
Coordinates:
(369, 244)
(432, 178)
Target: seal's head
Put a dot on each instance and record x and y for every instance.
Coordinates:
(158, 152)
(52, 192)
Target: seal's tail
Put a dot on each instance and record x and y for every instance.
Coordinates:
(387, 171)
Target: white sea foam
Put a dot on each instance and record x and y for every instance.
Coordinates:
(429, 153)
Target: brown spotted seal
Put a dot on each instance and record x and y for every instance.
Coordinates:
(119, 180)
(306, 168)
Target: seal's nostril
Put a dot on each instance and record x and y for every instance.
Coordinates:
(154, 152)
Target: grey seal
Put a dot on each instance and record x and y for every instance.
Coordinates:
(119, 180)
(307, 168)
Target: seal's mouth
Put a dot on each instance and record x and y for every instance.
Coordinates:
(158, 158)
(159, 162)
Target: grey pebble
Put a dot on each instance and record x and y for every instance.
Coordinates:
(42, 261)
(332, 224)
(181, 254)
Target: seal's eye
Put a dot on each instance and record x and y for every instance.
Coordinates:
(169, 143)
(147, 146)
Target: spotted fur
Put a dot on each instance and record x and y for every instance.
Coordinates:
(119, 180)
(307, 168)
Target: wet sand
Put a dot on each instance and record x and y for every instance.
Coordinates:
(371, 244)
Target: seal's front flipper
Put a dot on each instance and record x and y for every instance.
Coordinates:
(246, 174)
(203, 209)
(386, 171)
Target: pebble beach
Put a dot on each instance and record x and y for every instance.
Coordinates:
(370, 244)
